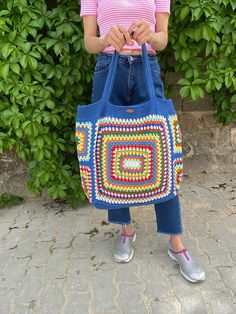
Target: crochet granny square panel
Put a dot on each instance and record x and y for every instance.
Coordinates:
(127, 161)
(132, 159)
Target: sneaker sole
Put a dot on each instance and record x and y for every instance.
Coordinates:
(181, 271)
(131, 256)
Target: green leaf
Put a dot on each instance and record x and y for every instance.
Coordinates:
(184, 12)
(184, 82)
(185, 91)
(198, 33)
(209, 86)
(19, 133)
(33, 63)
(68, 30)
(38, 155)
(233, 99)
(58, 48)
(23, 3)
(207, 32)
(7, 200)
(23, 61)
(50, 42)
(50, 104)
(185, 54)
(6, 50)
(12, 35)
(4, 70)
(26, 47)
(15, 68)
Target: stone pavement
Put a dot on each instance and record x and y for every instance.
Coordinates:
(54, 259)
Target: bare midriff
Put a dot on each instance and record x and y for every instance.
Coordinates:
(131, 52)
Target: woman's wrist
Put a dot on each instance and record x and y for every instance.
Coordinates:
(158, 40)
(102, 41)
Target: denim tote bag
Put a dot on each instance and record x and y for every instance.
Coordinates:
(129, 155)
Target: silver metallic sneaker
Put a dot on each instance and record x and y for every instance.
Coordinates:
(189, 267)
(123, 247)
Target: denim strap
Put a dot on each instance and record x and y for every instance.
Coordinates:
(112, 72)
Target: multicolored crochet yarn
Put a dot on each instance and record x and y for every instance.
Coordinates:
(127, 161)
(85, 174)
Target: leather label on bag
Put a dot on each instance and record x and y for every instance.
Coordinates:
(130, 110)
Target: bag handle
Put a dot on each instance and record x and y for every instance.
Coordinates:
(112, 72)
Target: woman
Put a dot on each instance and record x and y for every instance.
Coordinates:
(124, 25)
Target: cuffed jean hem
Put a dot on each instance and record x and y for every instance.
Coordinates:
(120, 222)
(170, 233)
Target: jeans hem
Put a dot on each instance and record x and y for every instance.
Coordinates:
(170, 233)
(120, 222)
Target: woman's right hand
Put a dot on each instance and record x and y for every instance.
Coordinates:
(117, 37)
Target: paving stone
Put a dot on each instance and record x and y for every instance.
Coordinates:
(25, 247)
(81, 246)
(156, 280)
(166, 306)
(6, 301)
(64, 238)
(76, 303)
(5, 228)
(218, 256)
(220, 302)
(47, 231)
(78, 277)
(58, 263)
(188, 295)
(228, 275)
(196, 226)
(29, 308)
(9, 214)
(104, 291)
(143, 245)
(127, 273)
(14, 273)
(224, 235)
(41, 253)
(131, 301)
(116, 311)
(31, 285)
(11, 240)
(5, 256)
(51, 297)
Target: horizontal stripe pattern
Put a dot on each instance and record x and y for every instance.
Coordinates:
(124, 12)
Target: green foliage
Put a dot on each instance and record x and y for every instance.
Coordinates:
(10, 200)
(45, 71)
(203, 41)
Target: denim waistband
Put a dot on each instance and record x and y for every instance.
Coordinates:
(103, 56)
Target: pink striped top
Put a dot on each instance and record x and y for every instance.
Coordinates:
(124, 12)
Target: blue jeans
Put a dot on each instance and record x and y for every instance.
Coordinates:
(130, 88)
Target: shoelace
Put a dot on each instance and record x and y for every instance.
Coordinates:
(125, 235)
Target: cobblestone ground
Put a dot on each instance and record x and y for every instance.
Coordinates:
(58, 260)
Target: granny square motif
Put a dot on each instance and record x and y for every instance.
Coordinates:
(177, 134)
(86, 182)
(178, 172)
(132, 159)
(83, 140)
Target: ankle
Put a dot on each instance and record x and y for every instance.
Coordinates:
(128, 229)
(176, 243)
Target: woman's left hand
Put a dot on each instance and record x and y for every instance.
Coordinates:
(142, 33)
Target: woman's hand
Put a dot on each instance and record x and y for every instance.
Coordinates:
(118, 36)
(141, 31)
